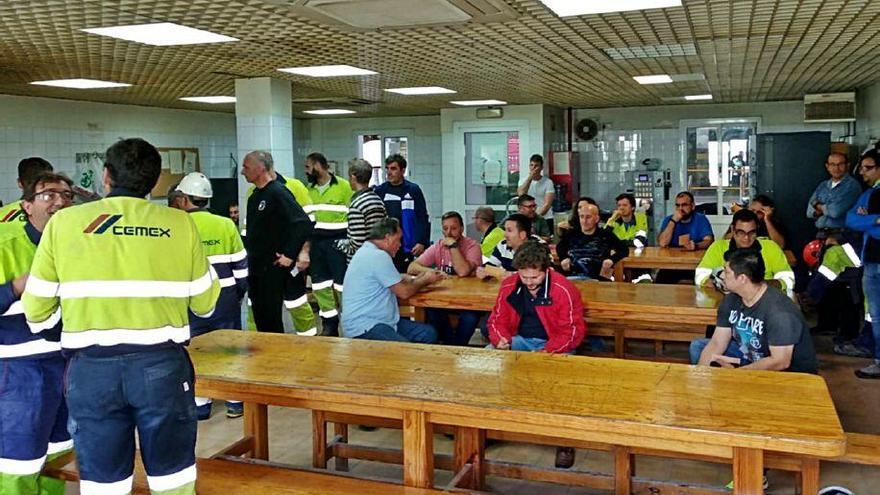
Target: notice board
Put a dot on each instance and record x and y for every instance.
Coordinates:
(176, 163)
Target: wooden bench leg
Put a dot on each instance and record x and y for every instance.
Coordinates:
(808, 478)
(748, 471)
(319, 440)
(256, 425)
(419, 314)
(619, 344)
(418, 450)
(469, 447)
(623, 466)
(340, 431)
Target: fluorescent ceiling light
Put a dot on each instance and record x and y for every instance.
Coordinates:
(161, 34)
(328, 71)
(657, 79)
(697, 97)
(330, 111)
(478, 103)
(210, 99)
(565, 8)
(80, 83)
(423, 90)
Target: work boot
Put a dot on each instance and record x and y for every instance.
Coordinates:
(872, 371)
(564, 457)
(234, 410)
(204, 411)
(330, 326)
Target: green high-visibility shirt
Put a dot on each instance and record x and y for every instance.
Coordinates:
(12, 212)
(330, 207)
(634, 234)
(775, 265)
(490, 240)
(120, 272)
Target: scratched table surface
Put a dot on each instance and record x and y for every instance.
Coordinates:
(665, 406)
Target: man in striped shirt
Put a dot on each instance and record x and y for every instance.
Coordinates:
(365, 210)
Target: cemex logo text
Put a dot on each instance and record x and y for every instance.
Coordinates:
(106, 222)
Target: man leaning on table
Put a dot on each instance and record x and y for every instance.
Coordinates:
(538, 310)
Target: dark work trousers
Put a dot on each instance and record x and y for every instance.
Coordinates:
(266, 291)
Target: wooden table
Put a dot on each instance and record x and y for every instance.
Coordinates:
(650, 258)
(733, 414)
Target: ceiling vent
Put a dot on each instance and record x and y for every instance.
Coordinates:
(336, 101)
(830, 107)
(397, 14)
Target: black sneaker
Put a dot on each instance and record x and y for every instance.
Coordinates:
(564, 457)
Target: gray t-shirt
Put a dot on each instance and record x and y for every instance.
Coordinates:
(774, 320)
(538, 189)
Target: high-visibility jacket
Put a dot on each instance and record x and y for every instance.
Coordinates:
(835, 259)
(776, 267)
(12, 212)
(226, 253)
(634, 234)
(122, 273)
(18, 243)
(330, 207)
(296, 187)
(490, 239)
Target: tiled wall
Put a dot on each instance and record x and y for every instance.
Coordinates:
(59, 129)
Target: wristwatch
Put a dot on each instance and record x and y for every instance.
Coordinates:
(453, 245)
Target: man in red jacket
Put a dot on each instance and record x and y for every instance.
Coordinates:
(538, 310)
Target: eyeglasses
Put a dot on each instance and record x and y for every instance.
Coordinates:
(530, 206)
(682, 205)
(53, 195)
(868, 167)
(743, 233)
(837, 164)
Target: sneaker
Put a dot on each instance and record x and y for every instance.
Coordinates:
(234, 409)
(564, 457)
(204, 411)
(872, 371)
(729, 486)
(850, 349)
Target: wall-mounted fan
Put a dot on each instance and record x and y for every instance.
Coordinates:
(586, 129)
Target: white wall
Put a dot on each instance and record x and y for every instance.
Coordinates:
(58, 129)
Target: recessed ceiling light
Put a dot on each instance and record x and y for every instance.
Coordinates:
(328, 71)
(81, 83)
(657, 79)
(478, 103)
(422, 90)
(161, 34)
(330, 111)
(652, 51)
(565, 8)
(697, 97)
(210, 99)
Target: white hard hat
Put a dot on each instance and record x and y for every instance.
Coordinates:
(196, 184)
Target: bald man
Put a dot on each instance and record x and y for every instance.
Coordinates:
(588, 251)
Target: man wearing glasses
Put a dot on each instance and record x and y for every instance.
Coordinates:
(835, 196)
(31, 365)
(745, 236)
(685, 228)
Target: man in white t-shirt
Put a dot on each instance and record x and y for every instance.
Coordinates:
(539, 187)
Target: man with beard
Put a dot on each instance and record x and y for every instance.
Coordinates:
(685, 228)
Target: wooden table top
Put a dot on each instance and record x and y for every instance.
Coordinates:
(672, 258)
(662, 303)
(632, 403)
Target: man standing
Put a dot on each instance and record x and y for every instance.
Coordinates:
(365, 210)
(629, 225)
(373, 285)
(526, 205)
(405, 202)
(28, 170)
(540, 187)
(330, 197)
(590, 252)
(685, 228)
(34, 423)
(233, 212)
(484, 222)
(278, 230)
(834, 197)
(458, 255)
(225, 252)
(121, 273)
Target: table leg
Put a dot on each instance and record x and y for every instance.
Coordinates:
(418, 450)
(619, 343)
(808, 478)
(623, 471)
(419, 314)
(256, 425)
(319, 440)
(619, 272)
(748, 471)
(469, 447)
(340, 430)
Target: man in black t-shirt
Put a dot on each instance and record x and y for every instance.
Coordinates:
(758, 327)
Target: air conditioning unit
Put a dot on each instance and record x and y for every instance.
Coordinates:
(830, 107)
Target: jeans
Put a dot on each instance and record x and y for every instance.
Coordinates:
(462, 333)
(698, 345)
(111, 396)
(871, 286)
(406, 331)
(526, 344)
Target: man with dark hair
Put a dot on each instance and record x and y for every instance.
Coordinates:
(629, 225)
(517, 230)
(330, 196)
(834, 197)
(769, 227)
(526, 205)
(540, 187)
(484, 222)
(590, 251)
(28, 170)
(745, 236)
(34, 423)
(373, 285)
(125, 323)
(685, 228)
(365, 210)
(538, 310)
(405, 202)
(454, 254)
(233, 212)
(758, 328)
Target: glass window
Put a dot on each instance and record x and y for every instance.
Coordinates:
(374, 148)
(491, 167)
(719, 165)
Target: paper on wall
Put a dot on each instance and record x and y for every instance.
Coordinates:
(175, 160)
(189, 161)
(166, 160)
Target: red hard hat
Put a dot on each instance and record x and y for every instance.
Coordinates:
(812, 251)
